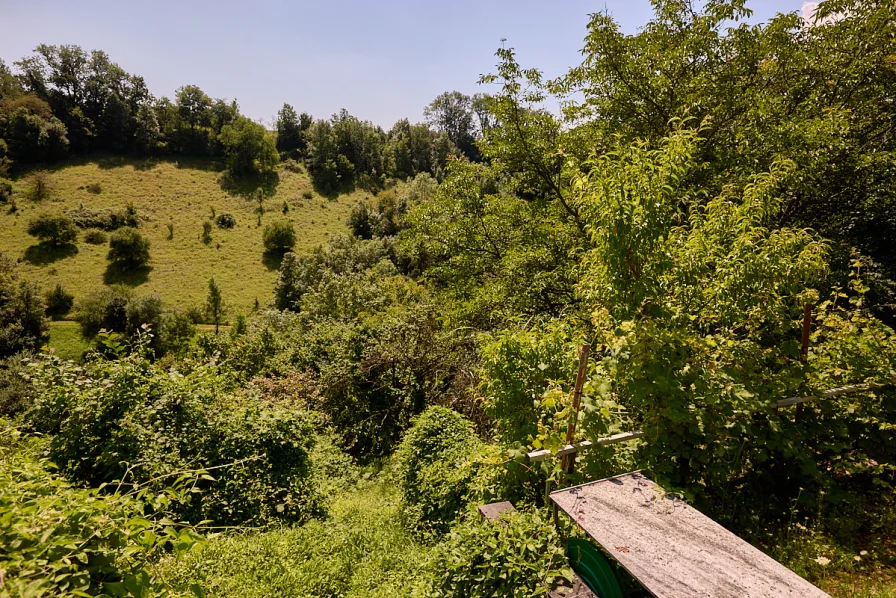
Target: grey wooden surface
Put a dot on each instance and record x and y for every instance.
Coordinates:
(671, 548)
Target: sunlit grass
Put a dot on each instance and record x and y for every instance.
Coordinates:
(184, 194)
(66, 340)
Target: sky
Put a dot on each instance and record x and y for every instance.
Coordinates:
(381, 60)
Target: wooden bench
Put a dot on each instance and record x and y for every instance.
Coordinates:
(672, 549)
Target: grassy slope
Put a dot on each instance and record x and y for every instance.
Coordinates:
(182, 193)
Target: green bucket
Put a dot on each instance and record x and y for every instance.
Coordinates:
(592, 566)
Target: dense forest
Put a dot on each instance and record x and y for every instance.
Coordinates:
(709, 190)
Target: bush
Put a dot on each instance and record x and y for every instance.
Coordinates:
(42, 185)
(279, 236)
(519, 556)
(23, 322)
(307, 194)
(107, 220)
(59, 302)
(60, 540)
(225, 221)
(129, 248)
(95, 188)
(206, 232)
(434, 469)
(56, 229)
(16, 391)
(158, 422)
(5, 190)
(95, 236)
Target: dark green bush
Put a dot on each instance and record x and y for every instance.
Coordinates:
(128, 248)
(206, 232)
(95, 188)
(225, 220)
(307, 194)
(59, 302)
(56, 229)
(434, 467)
(140, 422)
(16, 391)
(279, 236)
(23, 321)
(95, 236)
(5, 190)
(519, 556)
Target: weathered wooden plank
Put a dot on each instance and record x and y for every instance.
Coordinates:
(578, 446)
(493, 511)
(824, 395)
(671, 548)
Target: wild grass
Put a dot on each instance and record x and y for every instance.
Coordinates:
(66, 340)
(362, 551)
(181, 194)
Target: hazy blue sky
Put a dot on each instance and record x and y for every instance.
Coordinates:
(380, 60)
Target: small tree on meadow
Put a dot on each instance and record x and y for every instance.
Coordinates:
(214, 304)
(279, 236)
(128, 248)
(55, 229)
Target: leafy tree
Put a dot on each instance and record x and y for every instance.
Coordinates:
(290, 137)
(59, 302)
(128, 248)
(248, 149)
(193, 106)
(55, 229)
(452, 113)
(279, 236)
(215, 308)
(23, 322)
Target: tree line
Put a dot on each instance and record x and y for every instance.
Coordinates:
(63, 100)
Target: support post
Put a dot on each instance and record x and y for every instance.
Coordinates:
(804, 346)
(568, 462)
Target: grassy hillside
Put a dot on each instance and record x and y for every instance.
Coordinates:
(183, 193)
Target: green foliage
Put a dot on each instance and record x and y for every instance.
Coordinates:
(55, 229)
(434, 469)
(225, 220)
(23, 322)
(362, 551)
(95, 236)
(520, 555)
(248, 149)
(290, 134)
(105, 219)
(206, 232)
(5, 191)
(59, 302)
(60, 540)
(42, 185)
(16, 391)
(117, 420)
(128, 248)
(215, 309)
(279, 236)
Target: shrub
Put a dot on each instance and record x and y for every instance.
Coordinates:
(60, 540)
(16, 391)
(129, 248)
(23, 322)
(170, 227)
(59, 302)
(56, 229)
(5, 190)
(42, 185)
(519, 556)
(291, 165)
(95, 236)
(206, 232)
(107, 220)
(140, 420)
(434, 469)
(225, 220)
(95, 188)
(279, 236)
(361, 221)
(307, 194)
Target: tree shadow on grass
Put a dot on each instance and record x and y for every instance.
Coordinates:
(272, 259)
(126, 274)
(47, 253)
(249, 187)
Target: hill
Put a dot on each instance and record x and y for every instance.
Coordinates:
(184, 193)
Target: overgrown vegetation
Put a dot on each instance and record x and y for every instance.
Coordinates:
(705, 191)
